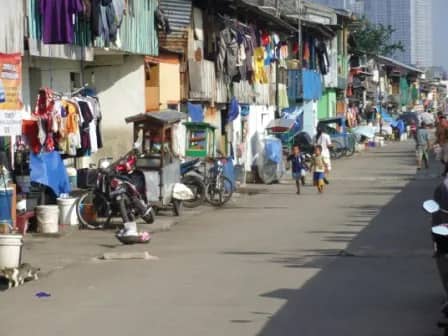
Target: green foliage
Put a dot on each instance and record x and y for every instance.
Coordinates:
(374, 39)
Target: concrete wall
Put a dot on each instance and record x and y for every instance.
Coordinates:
(121, 90)
(169, 84)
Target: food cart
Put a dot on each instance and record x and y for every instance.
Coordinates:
(200, 139)
(159, 165)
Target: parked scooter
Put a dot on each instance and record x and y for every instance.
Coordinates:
(193, 178)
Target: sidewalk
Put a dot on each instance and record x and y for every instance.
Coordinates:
(73, 246)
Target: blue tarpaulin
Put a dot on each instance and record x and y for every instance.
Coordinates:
(234, 110)
(399, 124)
(195, 112)
(49, 169)
(229, 172)
(312, 84)
(273, 150)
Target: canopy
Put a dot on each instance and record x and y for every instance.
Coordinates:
(165, 117)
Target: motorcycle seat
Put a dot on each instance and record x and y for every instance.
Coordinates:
(186, 166)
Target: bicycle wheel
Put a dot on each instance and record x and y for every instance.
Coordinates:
(90, 207)
(337, 151)
(219, 192)
(351, 145)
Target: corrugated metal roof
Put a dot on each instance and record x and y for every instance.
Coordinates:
(179, 17)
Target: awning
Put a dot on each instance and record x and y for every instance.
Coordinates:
(389, 61)
(264, 16)
(164, 117)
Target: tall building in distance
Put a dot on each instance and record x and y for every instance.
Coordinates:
(411, 19)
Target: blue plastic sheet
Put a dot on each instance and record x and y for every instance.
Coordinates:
(195, 112)
(399, 124)
(49, 169)
(234, 110)
(229, 172)
(312, 84)
(273, 151)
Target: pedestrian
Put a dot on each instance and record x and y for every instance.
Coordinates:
(324, 141)
(319, 167)
(442, 141)
(299, 166)
(422, 145)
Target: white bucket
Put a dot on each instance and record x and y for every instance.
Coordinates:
(47, 218)
(10, 251)
(67, 211)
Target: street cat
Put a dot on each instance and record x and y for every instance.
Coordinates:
(18, 276)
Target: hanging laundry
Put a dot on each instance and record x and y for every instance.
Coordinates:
(234, 110)
(57, 20)
(322, 58)
(226, 62)
(260, 73)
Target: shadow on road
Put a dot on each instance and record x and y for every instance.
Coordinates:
(384, 283)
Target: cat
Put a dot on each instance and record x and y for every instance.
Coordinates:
(18, 276)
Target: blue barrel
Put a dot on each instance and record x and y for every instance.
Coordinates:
(5, 205)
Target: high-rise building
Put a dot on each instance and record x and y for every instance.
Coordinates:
(411, 20)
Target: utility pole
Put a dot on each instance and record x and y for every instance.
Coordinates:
(299, 27)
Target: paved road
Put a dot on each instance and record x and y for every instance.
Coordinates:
(269, 264)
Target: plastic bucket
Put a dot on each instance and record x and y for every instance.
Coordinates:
(10, 251)
(67, 211)
(5, 205)
(47, 218)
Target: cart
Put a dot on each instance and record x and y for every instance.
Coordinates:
(200, 139)
(158, 164)
(285, 130)
(344, 142)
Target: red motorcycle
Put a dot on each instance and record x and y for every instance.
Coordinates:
(114, 194)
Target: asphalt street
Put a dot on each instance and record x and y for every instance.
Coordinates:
(353, 261)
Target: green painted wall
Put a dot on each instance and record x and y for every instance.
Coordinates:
(327, 105)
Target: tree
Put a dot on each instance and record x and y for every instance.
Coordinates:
(370, 38)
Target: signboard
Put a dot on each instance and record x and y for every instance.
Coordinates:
(10, 94)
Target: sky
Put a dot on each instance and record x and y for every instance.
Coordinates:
(440, 31)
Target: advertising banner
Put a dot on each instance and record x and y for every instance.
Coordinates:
(10, 94)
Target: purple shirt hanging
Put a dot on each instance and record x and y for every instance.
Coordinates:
(57, 20)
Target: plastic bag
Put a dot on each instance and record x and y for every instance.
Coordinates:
(182, 192)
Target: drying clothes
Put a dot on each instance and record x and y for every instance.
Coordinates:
(227, 54)
(322, 58)
(87, 118)
(30, 130)
(87, 8)
(260, 73)
(45, 102)
(234, 110)
(57, 20)
(95, 18)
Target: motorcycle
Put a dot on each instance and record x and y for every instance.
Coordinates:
(113, 195)
(193, 178)
(439, 231)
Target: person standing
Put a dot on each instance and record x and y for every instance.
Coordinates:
(298, 166)
(323, 139)
(442, 141)
(422, 146)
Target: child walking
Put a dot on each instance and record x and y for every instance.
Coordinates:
(298, 166)
(320, 167)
